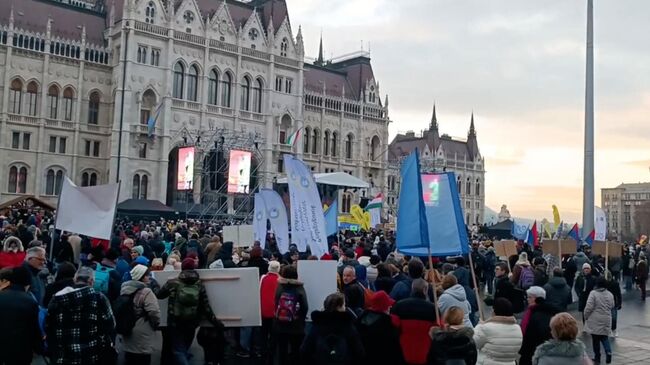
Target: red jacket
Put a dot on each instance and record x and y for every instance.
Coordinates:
(268, 287)
(11, 259)
(413, 318)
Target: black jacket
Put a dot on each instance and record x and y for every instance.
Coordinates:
(54, 288)
(354, 296)
(329, 326)
(380, 339)
(614, 288)
(452, 344)
(20, 335)
(558, 294)
(296, 327)
(583, 286)
(537, 331)
(384, 283)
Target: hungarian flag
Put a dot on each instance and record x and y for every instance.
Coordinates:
(294, 137)
(375, 203)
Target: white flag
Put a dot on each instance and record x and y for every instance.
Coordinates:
(276, 211)
(87, 210)
(259, 223)
(600, 224)
(307, 219)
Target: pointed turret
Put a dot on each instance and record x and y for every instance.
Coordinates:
(434, 119)
(472, 144)
(300, 47)
(432, 135)
(319, 60)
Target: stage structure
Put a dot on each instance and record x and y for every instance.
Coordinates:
(229, 168)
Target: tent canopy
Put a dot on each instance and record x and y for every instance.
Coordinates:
(27, 201)
(341, 179)
(140, 205)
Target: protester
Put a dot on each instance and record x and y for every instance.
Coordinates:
(535, 323)
(290, 312)
(558, 293)
(583, 286)
(138, 345)
(20, 336)
(384, 279)
(268, 287)
(489, 270)
(454, 343)
(499, 339)
(64, 277)
(598, 319)
(188, 304)
(353, 291)
(614, 287)
(454, 296)
(415, 316)
(13, 253)
(80, 325)
(333, 338)
(379, 337)
(564, 348)
(523, 275)
(402, 288)
(35, 261)
(642, 274)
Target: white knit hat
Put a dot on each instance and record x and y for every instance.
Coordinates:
(537, 292)
(138, 272)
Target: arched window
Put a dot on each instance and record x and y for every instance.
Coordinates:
(179, 74)
(84, 179)
(136, 187)
(314, 143)
(285, 126)
(53, 101)
(348, 146)
(144, 181)
(22, 181)
(68, 102)
(283, 47)
(93, 108)
(326, 143)
(32, 98)
(478, 187)
(459, 185)
(478, 219)
(245, 94)
(53, 181)
(192, 83)
(150, 13)
(226, 85)
(213, 82)
(374, 148)
(306, 139)
(467, 219)
(13, 179)
(15, 96)
(93, 179)
(257, 96)
(335, 144)
(347, 202)
(49, 182)
(468, 187)
(147, 106)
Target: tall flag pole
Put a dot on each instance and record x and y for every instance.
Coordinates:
(588, 188)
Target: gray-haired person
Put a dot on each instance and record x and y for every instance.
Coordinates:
(35, 261)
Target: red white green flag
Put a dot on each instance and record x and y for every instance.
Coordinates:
(294, 137)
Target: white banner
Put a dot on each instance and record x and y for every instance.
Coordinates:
(600, 224)
(375, 217)
(307, 219)
(241, 235)
(259, 223)
(319, 281)
(277, 214)
(87, 210)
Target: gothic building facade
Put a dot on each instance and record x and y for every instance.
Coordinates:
(81, 81)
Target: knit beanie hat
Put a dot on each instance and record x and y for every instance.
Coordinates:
(138, 272)
(188, 264)
(138, 249)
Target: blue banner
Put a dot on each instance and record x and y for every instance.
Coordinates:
(412, 229)
(332, 218)
(277, 215)
(519, 231)
(259, 223)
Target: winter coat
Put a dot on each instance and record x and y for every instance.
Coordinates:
(555, 352)
(414, 317)
(39, 279)
(9, 258)
(641, 271)
(401, 289)
(371, 274)
(498, 340)
(80, 326)
(225, 255)
(170, 289)
(380, 338)
(558, 294)
(54, 288)
(456, 297)
(580, 259)
(20, 336)
(147, 312)
(297, 326)
(598, 312)
(538, 330)
(452, 344)
(354, 296)
(615, 288)
(268, 287)
(384, 283)
(328, 325)
(583, 286)
(464, 276)
(260, 264)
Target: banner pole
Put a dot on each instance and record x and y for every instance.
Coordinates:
(606, 256)
(559, 252)
(433, 282)
(478, 297)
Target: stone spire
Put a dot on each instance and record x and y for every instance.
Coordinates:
(319, 60)
(472, 143)
(472, 130)
(434, 120)
(299, 42)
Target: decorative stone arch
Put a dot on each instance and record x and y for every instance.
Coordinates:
(53, 182)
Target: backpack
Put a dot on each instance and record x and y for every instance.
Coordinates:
(102, 278)
(124, 311)
(526, 278)
(332, 350)
(186, 303)
(541, 278)
(288, 306)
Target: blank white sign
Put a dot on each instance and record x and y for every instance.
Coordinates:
(319, 279)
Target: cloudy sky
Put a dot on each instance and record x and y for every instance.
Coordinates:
(520, 66)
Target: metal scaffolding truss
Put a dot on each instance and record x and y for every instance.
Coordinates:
(213, 148)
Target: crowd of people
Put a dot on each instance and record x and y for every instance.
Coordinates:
(78, 300)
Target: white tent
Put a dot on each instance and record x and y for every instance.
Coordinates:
(337, 179)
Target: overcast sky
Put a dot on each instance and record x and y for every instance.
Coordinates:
(520, 66)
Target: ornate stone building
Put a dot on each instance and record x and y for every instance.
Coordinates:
(442, 153)
(81, 79)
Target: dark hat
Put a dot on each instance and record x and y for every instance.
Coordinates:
(349, 253)
(188, 264)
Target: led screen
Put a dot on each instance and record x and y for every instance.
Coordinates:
(239, 172)
(185, 169)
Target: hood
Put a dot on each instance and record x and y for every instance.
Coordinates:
(372, 319)
(293, 282)
(11, 239)
(502, 320)
(331, 319)
(557, 282)
(131, 286)
(188, 276)
(555, 348)
(457, 292)
(580, 255)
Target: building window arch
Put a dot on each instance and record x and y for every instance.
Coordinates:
(226, 89)
(32, 98)
(349, 141)
(147, 106)
(468, 186)
(375, 145)
(140, 186)
(179, 78)
(335, 143)
(307, 140)
(315, 139)
(93, 108)
(285, 126)
(213, 83)
(17, 179)
(478, 187)
(326, 143)
(346, 202)
(257, 95)
(136, 187)
(245, 93)
(53, 180)
(283, 47)
(459, 185)
(150, 13)
(53, 101)
(192, 83)
(15, 96)
(89, 178)
(68, 103)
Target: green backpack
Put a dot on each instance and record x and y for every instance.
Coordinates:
(186, 304)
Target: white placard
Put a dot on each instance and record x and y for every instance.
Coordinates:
(231, 234)
(319, 280)
(241, 236)
(234, 295)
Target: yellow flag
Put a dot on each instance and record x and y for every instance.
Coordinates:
(556, 217)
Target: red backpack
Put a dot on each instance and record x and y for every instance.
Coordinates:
(288, 307)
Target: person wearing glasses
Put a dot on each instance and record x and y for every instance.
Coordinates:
(35, 261)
